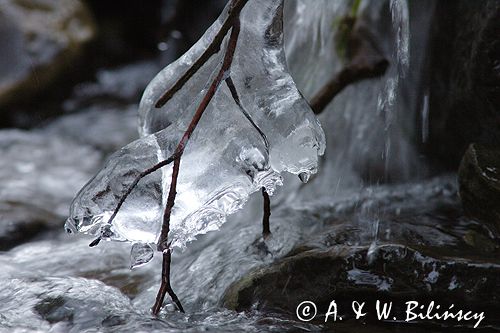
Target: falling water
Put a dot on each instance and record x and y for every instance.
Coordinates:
(370, 124)
(387, 99)
(425, 118)
(401, 26)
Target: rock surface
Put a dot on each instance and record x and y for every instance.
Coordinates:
(21, 221)
(479, 179)
(343, 273)
(421, 248)
(39, 40)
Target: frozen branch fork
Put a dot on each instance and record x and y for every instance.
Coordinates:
(217, 125)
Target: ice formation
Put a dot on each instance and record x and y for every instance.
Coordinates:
(236, 149)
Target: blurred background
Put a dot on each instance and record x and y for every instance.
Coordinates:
(406, 204)
(54, 50)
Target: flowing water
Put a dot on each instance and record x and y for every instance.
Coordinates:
(56, 283)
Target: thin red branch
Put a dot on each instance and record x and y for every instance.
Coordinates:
(266, 230)
(365, 61)
(163, 244)
(212, 49)
(228, 58)
(143, 174)
(234, 94)
(165, 285)
(350, 74)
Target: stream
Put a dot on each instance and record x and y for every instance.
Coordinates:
(377, 220)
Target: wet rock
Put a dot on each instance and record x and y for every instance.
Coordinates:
(40, 39)
(392, 243)
(479, 179)
(343, 273)
(21, 221)
(53, 310)
(39, 174)
(426, 216)
(465, 79)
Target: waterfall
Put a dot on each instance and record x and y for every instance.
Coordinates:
(371, 126)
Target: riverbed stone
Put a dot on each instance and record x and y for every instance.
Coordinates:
(39, 39)
(63, 301)
(21, 221)
(394, 243)
(345, 274)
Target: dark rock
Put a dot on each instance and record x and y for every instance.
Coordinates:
(391, 243)
(464, 79)
(345, 274)
(20, 222)
(52, 309)
(479, 179)
(39, 41)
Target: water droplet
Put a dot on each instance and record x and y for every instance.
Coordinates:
(304, 177)
(140, 254)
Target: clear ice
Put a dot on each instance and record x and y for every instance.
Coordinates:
(226, 159)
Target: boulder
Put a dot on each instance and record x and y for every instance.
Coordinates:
(395, 243)
(55, 303)
(344, 274)
(21, 221)
(479, 180)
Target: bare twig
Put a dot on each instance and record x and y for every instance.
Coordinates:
(165, 285)
(228, 58)
(234, 94)
(212, 49)
(231, 23)
(366, 61)
(266, 231)
(350, 74)
(163, 244)
(143, 174)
